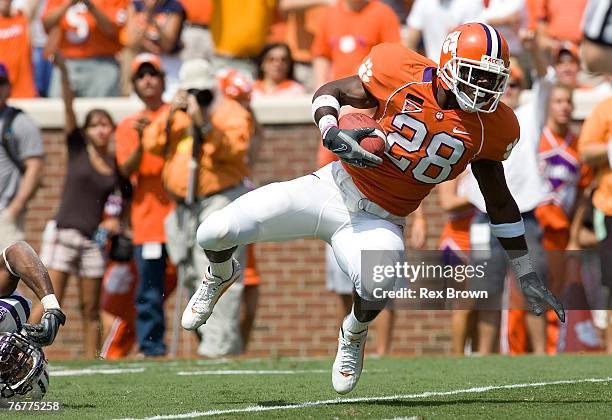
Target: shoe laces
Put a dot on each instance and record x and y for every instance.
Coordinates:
(206, 292)
(350, 354)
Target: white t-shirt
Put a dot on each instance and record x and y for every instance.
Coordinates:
(435, 18)
(498, 9)
(521, 168)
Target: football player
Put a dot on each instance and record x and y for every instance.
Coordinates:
(437, 119)
(23, 370)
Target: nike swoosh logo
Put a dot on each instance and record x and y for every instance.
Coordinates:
(342, 148)
(457, 131)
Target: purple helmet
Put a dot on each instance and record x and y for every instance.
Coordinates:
(23, 368)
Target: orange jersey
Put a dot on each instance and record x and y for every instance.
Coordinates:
(563, 18)
(426, 145)
(81, 36)
(150, 203)
(597, 129)
(16, 55)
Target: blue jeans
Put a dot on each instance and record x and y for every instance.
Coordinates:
(42, 71)
(149, 303)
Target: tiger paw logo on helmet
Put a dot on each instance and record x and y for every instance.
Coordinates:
(450, 43)
(365, 70)
(475, 66)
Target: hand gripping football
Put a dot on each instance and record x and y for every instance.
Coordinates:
(375, 142)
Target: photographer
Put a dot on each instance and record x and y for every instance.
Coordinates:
(204, 138)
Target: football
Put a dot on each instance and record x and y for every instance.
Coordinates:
(374, 143)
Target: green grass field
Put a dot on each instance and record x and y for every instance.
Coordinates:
(288, 388)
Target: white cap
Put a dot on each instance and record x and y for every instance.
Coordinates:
(197, 73)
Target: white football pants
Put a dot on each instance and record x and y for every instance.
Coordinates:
(325, 205)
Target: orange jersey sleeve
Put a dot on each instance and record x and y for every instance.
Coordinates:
(597, 129)
(501, 134)
(390, 66)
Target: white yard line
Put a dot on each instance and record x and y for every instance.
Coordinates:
(249, 372)
(427, 394)
(81, 372)
(260, 372)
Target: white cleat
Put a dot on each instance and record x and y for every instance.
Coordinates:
(349, 361)
(203, 301)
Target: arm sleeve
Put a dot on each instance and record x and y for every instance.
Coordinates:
(501, 136)
(594, 127)
(28, 138)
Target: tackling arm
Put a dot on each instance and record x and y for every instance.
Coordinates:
(326, 104)
(507, 225)
(20, 260)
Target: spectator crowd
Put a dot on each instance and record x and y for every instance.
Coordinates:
(195, 65)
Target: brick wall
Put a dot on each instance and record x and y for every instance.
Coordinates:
(296, 316)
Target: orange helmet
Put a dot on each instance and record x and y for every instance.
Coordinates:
(475, 65)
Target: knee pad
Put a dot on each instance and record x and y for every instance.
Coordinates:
(213, 232)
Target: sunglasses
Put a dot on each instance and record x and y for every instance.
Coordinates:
(514, 85)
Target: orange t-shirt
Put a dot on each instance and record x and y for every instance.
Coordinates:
(16, 55)
(426, 145)
(150, 203)
(81, 36)
(597, 129)
(223, 154)
(345, 37)
(564, 18)
(198, 11)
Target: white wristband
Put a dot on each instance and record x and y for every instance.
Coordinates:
(326, 122)
(324, 100)
(6, 263)
(521, 266)
(508, 230)
(50, 302)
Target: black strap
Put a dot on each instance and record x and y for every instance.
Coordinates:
(7, 133)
